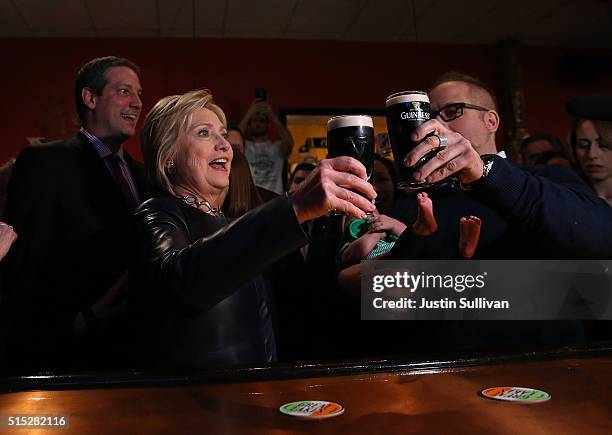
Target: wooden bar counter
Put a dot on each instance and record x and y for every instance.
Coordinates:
(379, 396)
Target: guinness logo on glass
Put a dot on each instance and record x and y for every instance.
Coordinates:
(405, 112)
(416, 114)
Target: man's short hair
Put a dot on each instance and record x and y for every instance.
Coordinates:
(554, 141)
(92, 75)
(472, 82)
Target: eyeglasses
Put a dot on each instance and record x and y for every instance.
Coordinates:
(455, 110)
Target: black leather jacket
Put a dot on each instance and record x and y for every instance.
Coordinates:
(197, 298)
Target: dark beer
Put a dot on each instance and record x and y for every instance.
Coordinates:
(353, 136)
(405, 112)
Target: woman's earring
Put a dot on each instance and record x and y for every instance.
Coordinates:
(170, 168)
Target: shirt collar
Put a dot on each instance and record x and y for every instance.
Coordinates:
(502, 154)
(102, 150)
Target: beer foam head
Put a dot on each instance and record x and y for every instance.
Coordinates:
(406, 97)
(349, 121)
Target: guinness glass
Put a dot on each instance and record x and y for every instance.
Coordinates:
(353, 136)
(405, 112)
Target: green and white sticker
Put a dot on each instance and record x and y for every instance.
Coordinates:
(312, 409)
(516, 394)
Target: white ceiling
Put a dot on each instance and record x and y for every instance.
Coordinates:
(534, 22)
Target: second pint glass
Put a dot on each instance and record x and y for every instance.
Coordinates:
(353, 136)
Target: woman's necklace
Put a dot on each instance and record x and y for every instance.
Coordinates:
(191, 200)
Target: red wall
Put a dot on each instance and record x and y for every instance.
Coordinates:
(38, 74)
(548, 85)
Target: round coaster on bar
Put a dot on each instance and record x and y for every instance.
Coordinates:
(516, 394)
(312, 409)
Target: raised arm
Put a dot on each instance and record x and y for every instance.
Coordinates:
(552, 203)
(202, 273)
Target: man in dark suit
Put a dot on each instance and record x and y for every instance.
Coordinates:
(71, 203)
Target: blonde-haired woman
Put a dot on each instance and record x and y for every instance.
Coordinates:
(197, 296)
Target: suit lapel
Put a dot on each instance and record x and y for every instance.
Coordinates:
(100, 186)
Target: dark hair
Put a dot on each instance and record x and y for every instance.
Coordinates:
(456, 76)
(549, 155)
(242, 196)
(234, 127)
(573, 139)
(390, 168)
(92, 75)
(574, 134)
(554, 141)
(261, 114)
(303, 166)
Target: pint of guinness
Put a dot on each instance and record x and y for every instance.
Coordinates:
(405, 112)
(353, 136)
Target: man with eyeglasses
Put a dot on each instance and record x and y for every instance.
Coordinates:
(537, 212)
(540, 212)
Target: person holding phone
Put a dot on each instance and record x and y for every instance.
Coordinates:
(266, 156)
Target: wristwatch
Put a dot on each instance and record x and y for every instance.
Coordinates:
(487, 164)
(488, 160)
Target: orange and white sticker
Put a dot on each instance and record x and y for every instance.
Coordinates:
(516, 394)
(312, 409)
